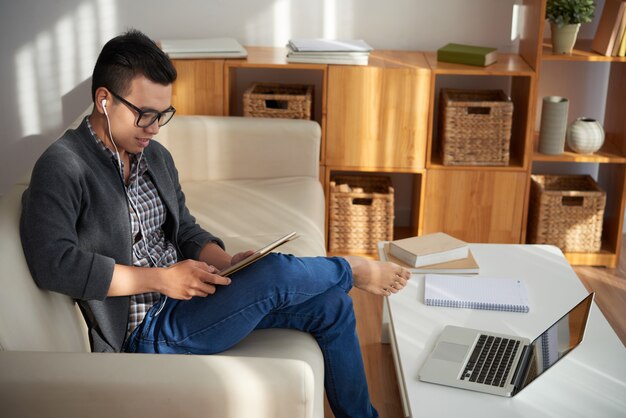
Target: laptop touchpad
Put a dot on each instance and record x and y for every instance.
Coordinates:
(450, 352)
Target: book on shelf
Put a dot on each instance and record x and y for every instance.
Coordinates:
(622, 47)
(466, 265)
(490, 293)
(429, 249)
(328, 59)
(203, 48)
(608, 27)
(467, 54)
(620, 34)
(329, 45)
(325, 51)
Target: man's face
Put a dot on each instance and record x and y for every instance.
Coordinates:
(146, 95)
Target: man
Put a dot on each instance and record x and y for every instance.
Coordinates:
(104, 221)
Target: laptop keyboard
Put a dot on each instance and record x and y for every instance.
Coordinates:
(491, 360)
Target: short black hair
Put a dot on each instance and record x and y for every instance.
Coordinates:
(127, 56)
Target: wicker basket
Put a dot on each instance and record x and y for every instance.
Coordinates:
(269, 100)
(475, 127)
(566, 211)
(360, 213)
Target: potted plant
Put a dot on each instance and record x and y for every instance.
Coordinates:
(565, 17)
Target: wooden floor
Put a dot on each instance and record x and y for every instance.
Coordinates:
(609, 285)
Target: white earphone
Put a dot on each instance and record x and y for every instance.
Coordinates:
(119, 162)
(117, 153)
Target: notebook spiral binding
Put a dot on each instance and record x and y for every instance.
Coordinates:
(477, 305)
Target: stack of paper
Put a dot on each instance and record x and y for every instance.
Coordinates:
(203, 48)
(326, 51)
(610, 37)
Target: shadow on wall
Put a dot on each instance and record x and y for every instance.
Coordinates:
(46, 75)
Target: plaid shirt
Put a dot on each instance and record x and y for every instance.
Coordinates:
(147, 216)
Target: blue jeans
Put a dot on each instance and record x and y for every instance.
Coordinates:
(278, 291)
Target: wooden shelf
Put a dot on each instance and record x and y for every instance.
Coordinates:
(507, 65)
(515, 164)
(383, 118)
(270, 57)
(607, 154)
(582, 52)
(601, 258)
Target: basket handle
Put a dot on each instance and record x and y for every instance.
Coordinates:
(572, 200)
(276, 104)
(476, 110)
(362, 201)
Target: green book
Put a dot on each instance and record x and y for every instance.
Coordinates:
(467, 54)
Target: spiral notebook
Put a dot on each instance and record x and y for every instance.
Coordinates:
(491, 293)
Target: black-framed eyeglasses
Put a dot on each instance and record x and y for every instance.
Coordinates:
(147, 117)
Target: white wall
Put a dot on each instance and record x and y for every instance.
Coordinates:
(49, 47)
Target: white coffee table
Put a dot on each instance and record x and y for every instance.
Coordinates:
(589, 382)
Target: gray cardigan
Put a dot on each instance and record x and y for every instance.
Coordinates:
(75, 227)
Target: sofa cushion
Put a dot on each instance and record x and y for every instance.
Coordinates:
(31, 318)
(248, 214)
(217, 148)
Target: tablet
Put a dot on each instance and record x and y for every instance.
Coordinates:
(258, 254)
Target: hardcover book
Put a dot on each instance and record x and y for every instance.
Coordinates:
(467, 54)
(429, 249)
(608, 27)
(466, 265)
(203, 48)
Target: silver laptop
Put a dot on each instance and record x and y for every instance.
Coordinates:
(502, 364)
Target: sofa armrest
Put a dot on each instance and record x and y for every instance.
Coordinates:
(111, 384)
(227, 148)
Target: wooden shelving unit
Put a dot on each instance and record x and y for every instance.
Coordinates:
(611, 158)
(382, 118)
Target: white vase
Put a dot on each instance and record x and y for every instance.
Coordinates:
(585, 136)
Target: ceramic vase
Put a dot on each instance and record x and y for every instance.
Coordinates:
(553, 125)
(564, 38)
(585, 136)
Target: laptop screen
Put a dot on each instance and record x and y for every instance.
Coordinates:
(558, 340)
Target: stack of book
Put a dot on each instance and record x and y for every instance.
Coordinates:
(326, 51)
(203, 48)
(610, 37)
(481, 56)
(432, 253)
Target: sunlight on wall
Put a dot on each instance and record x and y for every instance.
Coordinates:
(282, 22)
(49, 92)
(59, 59)
(517, 21)
(86, 36)
(27, 90)
(66, 53)
(330, 19)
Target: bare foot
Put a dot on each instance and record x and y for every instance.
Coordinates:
(377, 277)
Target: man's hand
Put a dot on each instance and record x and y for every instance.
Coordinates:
(190, 278)
(240, 256)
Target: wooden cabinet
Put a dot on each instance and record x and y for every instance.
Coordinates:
(383, 118)
(378, 114)
(475, 205)
(481, 203)
(199, 88)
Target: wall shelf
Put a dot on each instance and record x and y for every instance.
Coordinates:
(382, 118)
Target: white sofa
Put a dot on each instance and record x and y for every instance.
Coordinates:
(248, 181)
